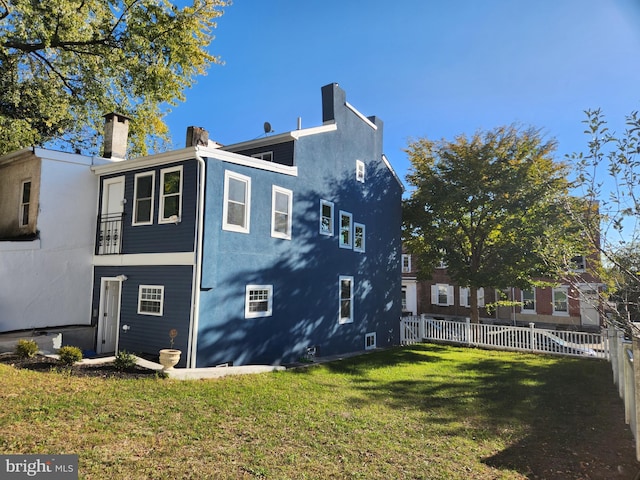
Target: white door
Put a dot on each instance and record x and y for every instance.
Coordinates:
(589, 315)
(111, 216)
(109, 316)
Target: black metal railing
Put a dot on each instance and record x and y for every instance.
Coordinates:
(109, 239)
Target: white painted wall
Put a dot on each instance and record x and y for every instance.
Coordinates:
(47, 282)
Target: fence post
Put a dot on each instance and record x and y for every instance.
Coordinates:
(532, 336)
(621, 360)
(636, 393)
(467, 328)
(422, 327)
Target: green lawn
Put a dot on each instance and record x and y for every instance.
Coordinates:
(426, 411)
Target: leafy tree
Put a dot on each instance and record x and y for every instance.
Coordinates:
(66, 63)
(492, 207)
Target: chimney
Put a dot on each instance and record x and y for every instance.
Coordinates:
(197, 136)
(116, 130)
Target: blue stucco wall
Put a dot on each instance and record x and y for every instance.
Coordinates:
(305, 270)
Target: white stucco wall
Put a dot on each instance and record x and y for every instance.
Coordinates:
(47, 282)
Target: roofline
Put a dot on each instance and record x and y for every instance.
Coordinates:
(47, 154)
(393, 172)
(281, 138)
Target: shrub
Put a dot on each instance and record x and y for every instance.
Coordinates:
(26, 348)
(70, 355)
(124, 361)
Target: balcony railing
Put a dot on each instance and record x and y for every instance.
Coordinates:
(109, 241)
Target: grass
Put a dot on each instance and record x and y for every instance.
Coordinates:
(420, 412)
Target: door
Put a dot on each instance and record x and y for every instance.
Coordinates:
(110, 236)
(589, 315)
(109, 315)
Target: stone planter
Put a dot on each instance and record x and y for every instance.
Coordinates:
(169, 357)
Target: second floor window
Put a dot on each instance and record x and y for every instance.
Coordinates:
(406, 263)
(281, 207)
(326, 217)
(171, 195)
(237, 201)
(358, 237)
(345, 230)
(25, 201)
(143, 199)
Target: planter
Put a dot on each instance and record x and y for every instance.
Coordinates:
(169, 357)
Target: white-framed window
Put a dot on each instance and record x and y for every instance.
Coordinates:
(370, 341)
(281, 208)
(359, 240)
(258, 301)
(442, 294)
(561, 301)
(25, 202)
(143, 186)
(345, 286)
(465, 297)
(326, 217)
(170, 195)
(578, 263)
(151, 300)
(360, 171)
(236, 210)
(406, 263)
(404, 298)
(266, 156)
(528, 301)
(346, 224)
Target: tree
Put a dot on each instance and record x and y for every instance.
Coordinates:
(491, 207)
(66, 63)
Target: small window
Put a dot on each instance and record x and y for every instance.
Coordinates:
(578, 263)
(258, 301)
(281, 203)
(560, 301)
(346, 300)
(143, 198)
(237, 202)
(358, 237)
(266, 156)
(406, 263)
(529, 301)
(326, 217)
(370, 341)
(150, 300)
(171, 195)
(25, 202)
(360, 171)
(345, 230)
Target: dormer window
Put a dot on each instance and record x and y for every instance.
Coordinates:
(266, 156)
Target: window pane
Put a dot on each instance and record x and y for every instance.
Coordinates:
(171, 182)
(171, 206)
(237, 190)
(281, 223)
(236, 214)
(560, 301)
(345, 308)
(25, 214)
(282, 202)
(143, 186)
(26, 192)
(143, 210)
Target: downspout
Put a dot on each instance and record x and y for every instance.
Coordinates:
(197, 271)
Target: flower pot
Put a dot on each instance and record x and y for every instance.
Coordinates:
(169, 357)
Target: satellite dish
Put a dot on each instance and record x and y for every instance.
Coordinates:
(267, 128)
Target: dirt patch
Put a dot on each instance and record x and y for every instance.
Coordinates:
(41, 363)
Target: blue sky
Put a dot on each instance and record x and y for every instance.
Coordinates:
(427, 68)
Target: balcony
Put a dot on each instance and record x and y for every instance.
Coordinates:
(109, 239)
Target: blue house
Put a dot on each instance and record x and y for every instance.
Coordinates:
(254, 252)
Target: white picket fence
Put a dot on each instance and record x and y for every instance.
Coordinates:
(527, 339)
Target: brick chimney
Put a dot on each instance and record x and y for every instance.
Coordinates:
(116, 130)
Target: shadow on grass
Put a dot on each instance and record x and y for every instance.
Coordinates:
(559, 417)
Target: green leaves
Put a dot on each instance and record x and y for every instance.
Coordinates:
(65, 63)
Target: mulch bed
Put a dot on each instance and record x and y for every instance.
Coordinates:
(41, 363)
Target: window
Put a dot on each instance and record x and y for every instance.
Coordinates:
(346, 300)
(258, 301)
(326, 217)
(404, 298)
(406, 263)
(171, 195)
(360, 171)
(25, 201)
(143, 198)
(370, 341)
(529, 301)
(560, 301)
(266, 156)
(442, 294)
(150, 300)
(281, 202)
(465, 297)
(441, 264)
(237, 202)
(578, 263)
(358, 237)
(345, 230)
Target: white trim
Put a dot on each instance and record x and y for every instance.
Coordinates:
(281, 138)
(284, 191)
(361, 249)
(331, 226)
(152, 174)
(361, 116)
(341, 319)
(160, 288)
(342, 243)
(174, 258)
(373, 346)
(328, 127)
(229, 175)
(162, 196)
(393, 172)
(247, 303)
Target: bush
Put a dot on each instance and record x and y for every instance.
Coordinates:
(26, 348)
(124, 361)
(70, 355)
